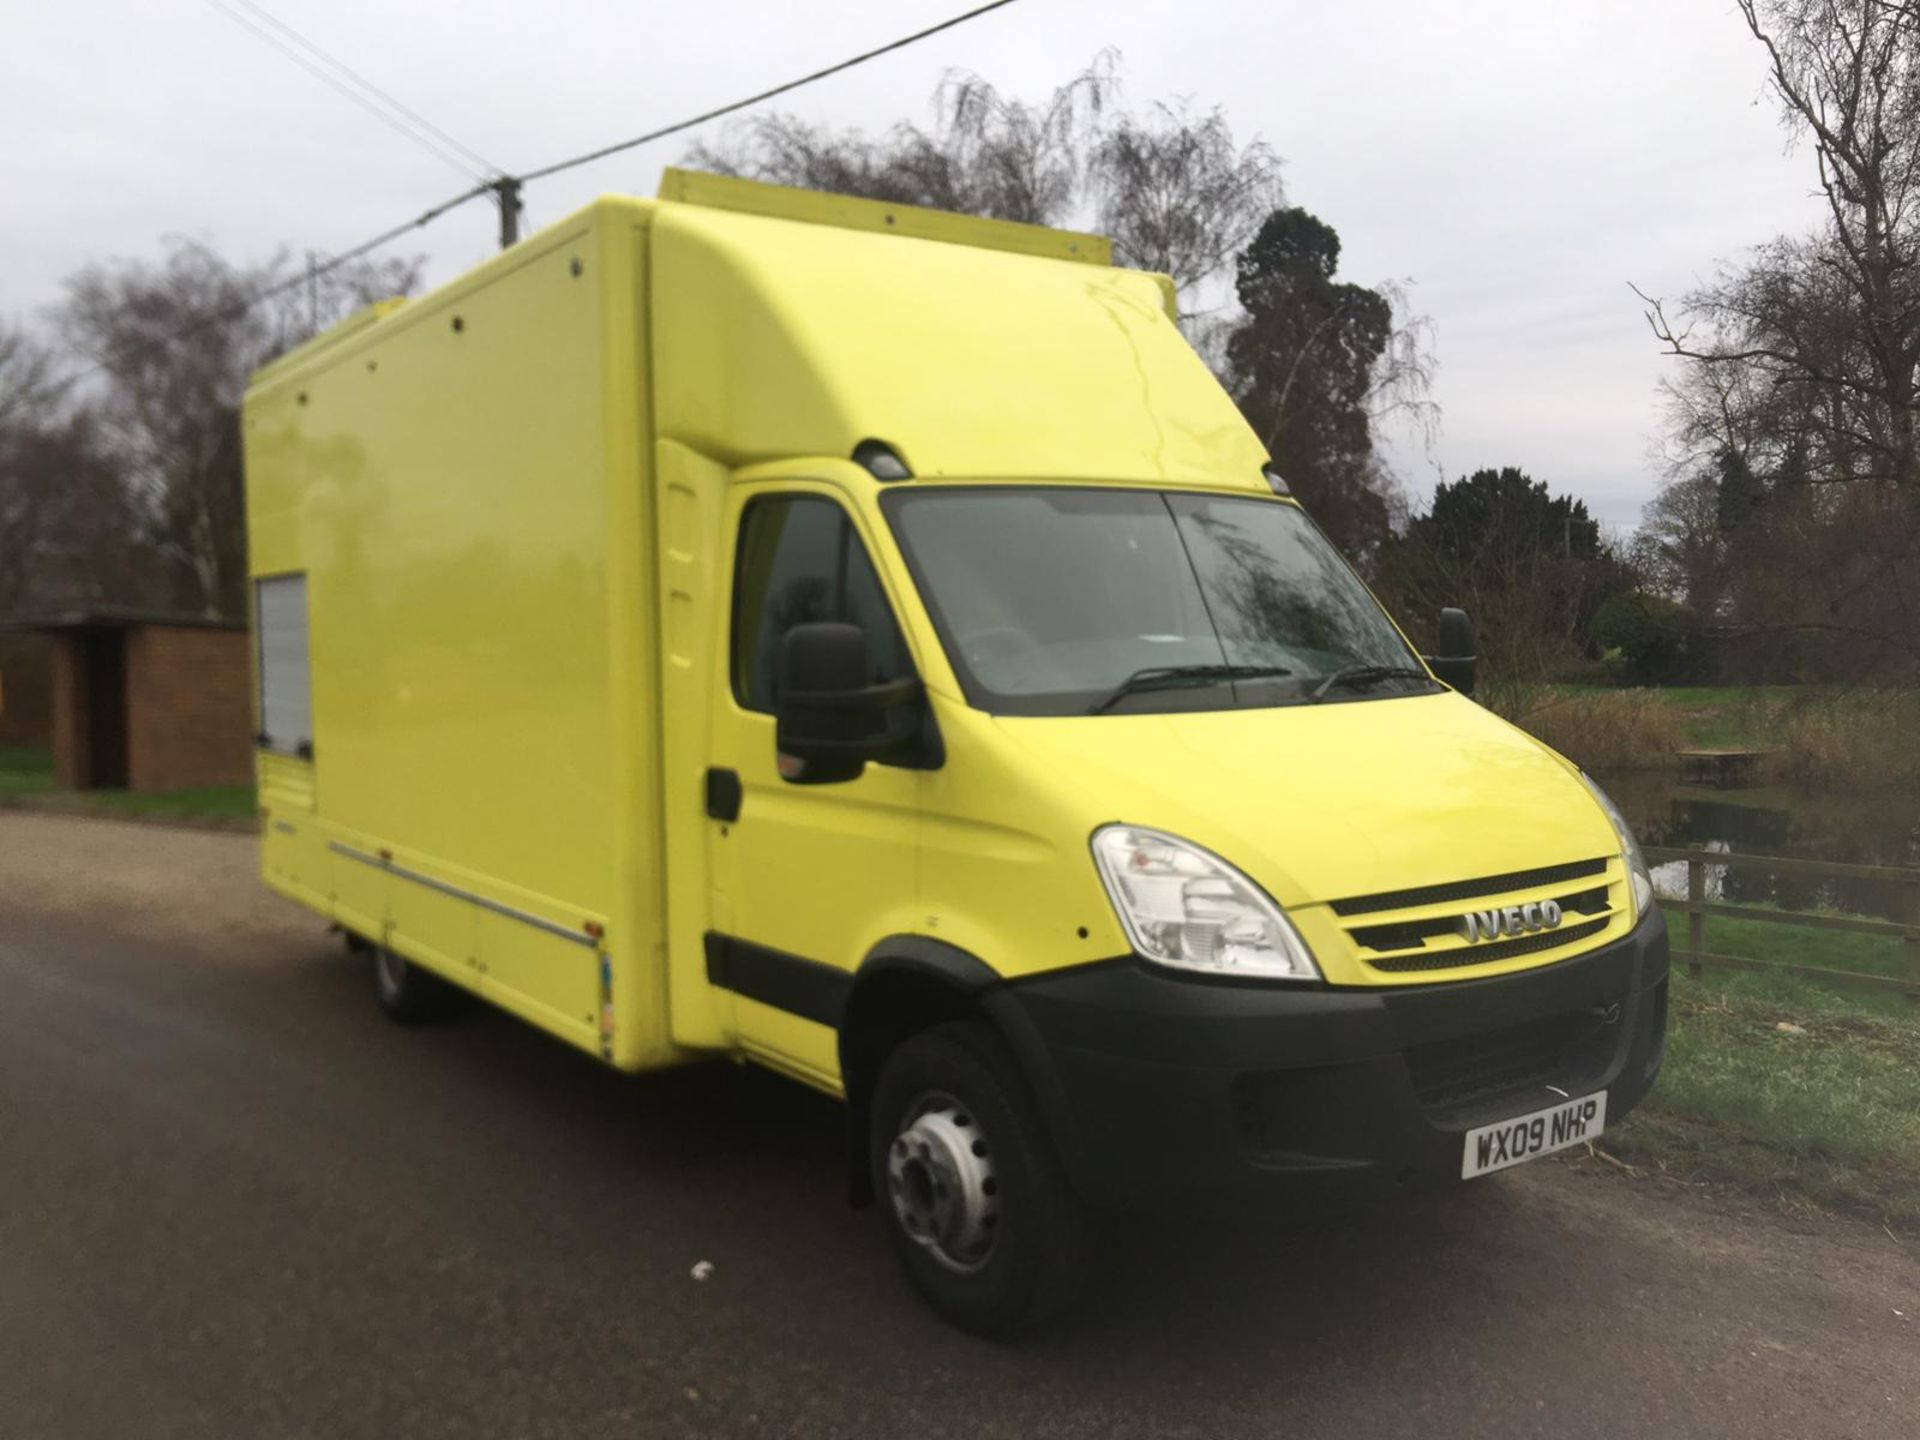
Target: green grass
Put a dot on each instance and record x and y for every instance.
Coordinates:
(29, 772)
(1796, 945)
(1830, 1115)
(24, 770)
(214, 802)
(1737, 719)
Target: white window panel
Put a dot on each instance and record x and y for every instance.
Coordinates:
(286, 676)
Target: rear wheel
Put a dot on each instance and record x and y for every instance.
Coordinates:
(974, 1200)
(405, 992)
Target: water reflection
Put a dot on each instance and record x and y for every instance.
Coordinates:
(1859, 829)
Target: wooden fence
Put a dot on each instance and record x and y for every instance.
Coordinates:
(1694, 948)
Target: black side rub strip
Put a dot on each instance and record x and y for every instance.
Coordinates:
(799, 986)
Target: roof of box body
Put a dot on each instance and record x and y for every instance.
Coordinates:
(778, 338)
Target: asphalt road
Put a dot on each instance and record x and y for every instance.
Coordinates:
(234, 1201)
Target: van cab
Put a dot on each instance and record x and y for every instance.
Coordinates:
(868, 643)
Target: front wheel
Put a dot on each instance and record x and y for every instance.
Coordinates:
(973, 1197)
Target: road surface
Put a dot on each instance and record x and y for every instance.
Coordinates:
(234, 1201)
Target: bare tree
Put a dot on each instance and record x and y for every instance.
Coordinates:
(1400, 389)
(1178, 195)
(68, 532)
(1679, 551)
(1830, 322)
(30, 379)
(175, 343)
(28, 392)
(986, 153)
(65, 526)
(1801, 375)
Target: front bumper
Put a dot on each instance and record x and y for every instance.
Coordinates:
(1163, 1087)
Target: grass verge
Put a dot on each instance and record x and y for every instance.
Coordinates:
(26, 775)
(213, 802)
(1827, 1111)
(1782, 944)
(24, 770)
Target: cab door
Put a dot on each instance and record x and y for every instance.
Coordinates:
(806, 878)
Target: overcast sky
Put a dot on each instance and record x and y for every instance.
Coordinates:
(1519, 160)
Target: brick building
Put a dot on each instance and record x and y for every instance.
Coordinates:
(148, 702)
(26, 693)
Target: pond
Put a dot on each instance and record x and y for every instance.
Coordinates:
(1859, 828)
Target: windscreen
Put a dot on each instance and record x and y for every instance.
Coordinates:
(1059, 601)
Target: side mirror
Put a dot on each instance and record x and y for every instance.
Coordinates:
(1455, 663)
(830, 720)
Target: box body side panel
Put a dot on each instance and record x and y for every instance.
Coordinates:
(461, 485)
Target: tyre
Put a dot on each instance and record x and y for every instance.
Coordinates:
(406, 993)
(973, 1198)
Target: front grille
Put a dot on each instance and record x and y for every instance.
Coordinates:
(1568, 1050)
(1464, 955)
(1468, 889)
(1411, 934)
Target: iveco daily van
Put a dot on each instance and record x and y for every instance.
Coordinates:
(869, 643)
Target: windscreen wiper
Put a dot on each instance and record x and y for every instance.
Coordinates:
(1363, 674)
(1175, 677)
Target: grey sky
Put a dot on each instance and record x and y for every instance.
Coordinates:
(1520, 160)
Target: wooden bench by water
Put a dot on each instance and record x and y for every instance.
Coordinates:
(1721, 768)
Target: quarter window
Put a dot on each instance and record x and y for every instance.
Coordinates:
(800, 560)
(286, 685)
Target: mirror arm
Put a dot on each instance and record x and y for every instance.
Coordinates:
(884, 696)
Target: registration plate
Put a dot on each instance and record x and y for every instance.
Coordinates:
(1508, 1142)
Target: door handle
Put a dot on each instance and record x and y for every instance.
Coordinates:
(723, 794)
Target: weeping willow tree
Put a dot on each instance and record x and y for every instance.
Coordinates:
(1169, 185)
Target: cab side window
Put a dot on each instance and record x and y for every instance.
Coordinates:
(800, 560)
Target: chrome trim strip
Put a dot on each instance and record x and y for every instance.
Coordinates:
(538, 922)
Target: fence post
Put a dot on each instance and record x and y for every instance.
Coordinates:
(1696, 917)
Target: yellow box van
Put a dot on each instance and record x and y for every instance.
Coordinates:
(869, 643)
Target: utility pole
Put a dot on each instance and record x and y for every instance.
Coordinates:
(506, 194)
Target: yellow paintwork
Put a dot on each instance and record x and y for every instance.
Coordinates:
(844, 212)
(515, 501)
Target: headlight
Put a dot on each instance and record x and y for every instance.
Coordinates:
(1640, 879)
(1184, 907)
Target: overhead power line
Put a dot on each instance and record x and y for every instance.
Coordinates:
(777, 90)
(505, 188)
(392, 101)
(342, 78)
